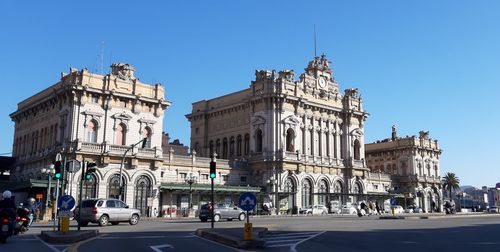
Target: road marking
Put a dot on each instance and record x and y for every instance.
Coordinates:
(290, 234)
(48, 245)
(220, 244)
(294, 247)
(158, 248)
(144, 237)
(74, 247)
(408, 242)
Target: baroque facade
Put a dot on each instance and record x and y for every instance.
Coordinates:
(301, 140)
(96, 118)
(413, 164)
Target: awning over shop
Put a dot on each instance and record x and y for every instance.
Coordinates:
(32, 183)
(206, 187)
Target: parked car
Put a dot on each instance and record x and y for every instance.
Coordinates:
(349, 209)
(398, 209)
(335, 207)
(493, 209)
(315, 209)
(104, 211)
(221, 211)
(409, 210)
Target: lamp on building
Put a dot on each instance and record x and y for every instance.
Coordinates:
(49, 172)
(190, 180)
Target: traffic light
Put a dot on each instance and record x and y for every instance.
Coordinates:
(212, 169)
(144, 142)
(57, 170)
(91, 168)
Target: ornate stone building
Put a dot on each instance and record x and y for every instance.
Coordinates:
(302, 140)
(413, 164)
(96, 118)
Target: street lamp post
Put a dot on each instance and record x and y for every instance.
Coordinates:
(49, 172)
(190, 179)
(143, 141)
(272, 192)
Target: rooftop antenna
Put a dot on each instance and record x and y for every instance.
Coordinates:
(315, 40)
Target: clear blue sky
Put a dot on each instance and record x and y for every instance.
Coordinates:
(431, 65)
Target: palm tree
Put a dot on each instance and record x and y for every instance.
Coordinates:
(451, 182)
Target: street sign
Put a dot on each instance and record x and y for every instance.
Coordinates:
(394, 201)
(61, 214)
(247, 201)
(66, 203)
(73, 166)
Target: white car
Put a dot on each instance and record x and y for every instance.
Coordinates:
(349, 210)
(316, 209)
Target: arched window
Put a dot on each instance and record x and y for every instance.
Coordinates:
(91, 135)
(289, 189)
(337, 190)
(120, 133)
(146, 133)
(290, 139)
(436, 171)
(90, 188)
(306, 193)
(247, 143)
(238, 145)
(197, 148)
(357, 191)
(224, 148)
(231, 147)
(211, 148)
(428, 170)
(114, 187)
(258, 140)
(143, 190)
(357, 148)
(322, 191)
(217, 147)
(419, 169)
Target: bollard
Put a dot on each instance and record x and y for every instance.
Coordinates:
(64, 224)
(247, 234)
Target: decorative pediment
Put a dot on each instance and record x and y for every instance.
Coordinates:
(92, 113)
(122, 116)
(357, 133)
(291, 120)
(146, 121)
(258, 120)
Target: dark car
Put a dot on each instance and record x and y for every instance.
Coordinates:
(221, 212)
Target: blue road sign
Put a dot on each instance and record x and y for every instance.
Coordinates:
(394, 201)
(66, 203)
(247, 201)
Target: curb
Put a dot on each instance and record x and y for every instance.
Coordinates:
(70, 237)
(217, 236)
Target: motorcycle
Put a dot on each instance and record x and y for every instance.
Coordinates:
(22, 220)
(5, 226)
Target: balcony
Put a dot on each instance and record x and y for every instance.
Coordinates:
(113, 149)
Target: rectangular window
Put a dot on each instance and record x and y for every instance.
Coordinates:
(183, 175)
(95, 99)
(224, 178)
(204, 176)
(243, 179)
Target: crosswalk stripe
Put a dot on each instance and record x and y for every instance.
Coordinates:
(286, 237)
(280, 245)
(296, 240)
(286, 234)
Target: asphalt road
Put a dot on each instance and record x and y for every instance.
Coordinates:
(311, 233)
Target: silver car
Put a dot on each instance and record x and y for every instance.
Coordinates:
(104, 211)
(221, 212)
